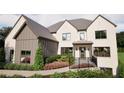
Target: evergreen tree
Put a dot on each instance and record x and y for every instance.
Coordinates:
(38, 59)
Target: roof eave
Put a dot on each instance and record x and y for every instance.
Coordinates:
(39, 37)
(103, 18)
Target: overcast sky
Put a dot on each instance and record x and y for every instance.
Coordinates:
(48, 19)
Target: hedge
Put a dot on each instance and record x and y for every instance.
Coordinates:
(12, 66)
(65, 58)
(83, 74)
(52, 59)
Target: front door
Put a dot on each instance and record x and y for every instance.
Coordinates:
(82, 52)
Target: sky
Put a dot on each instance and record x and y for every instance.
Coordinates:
(49, 19)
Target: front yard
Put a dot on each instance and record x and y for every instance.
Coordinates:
(121, 56)
(60, 65)
(121, 64)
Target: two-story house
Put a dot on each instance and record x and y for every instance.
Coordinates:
(84, 38)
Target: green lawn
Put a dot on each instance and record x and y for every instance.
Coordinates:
(121, 56)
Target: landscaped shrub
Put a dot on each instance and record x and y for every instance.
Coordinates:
(52, 59)
(120, 70)
(57, 75)
(9, 66)
(94, 74)
(12, 66)
(2, 65)
(14, 76)
(25, 67)
(83, 74)
(55, 65)
(82, 65)
(64, 58)
(71, 74)
(39, 62)
(71, 59)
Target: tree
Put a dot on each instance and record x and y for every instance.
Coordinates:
(4, 31)
(38, 59)
(2, 55)
(120, 40)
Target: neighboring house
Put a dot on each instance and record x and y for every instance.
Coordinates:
(84, 38)
(88, 39)
(24, 39)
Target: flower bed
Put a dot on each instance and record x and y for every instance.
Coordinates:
(83, 65)
(55, 65)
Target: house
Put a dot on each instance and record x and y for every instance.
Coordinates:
(25, 37)
(85, 39)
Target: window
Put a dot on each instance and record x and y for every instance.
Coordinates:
(25, 56)
(100, 34)
(102, 51)
(11, 55)
(66, 36)
(82, 36)
(66, 50)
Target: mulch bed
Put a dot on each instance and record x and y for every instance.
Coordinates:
(55, 65)
(82, 65)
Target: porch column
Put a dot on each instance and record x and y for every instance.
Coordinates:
(87, 52)
(87, 55)
(77, 54)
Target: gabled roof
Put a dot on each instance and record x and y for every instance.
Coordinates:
(79, 24)
(37, 29)
(105, 19)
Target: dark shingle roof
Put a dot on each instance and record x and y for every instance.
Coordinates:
(79, 24)
(39, 30)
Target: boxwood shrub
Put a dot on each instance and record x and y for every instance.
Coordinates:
(52, 59)
(83, 74)
(62, 58)
(12, 66)
(2, 65)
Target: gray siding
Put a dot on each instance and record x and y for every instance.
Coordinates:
(26, 40)
(50, 48)
(26, 34)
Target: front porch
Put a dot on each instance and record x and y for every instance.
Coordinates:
(82, 51)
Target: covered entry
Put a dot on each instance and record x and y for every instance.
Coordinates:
(82, 51)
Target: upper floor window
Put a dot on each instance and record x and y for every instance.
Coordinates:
(82, 36)
(66, 36)
(101, 34)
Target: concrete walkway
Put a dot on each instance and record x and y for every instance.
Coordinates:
(43, 72)
(30, 73)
